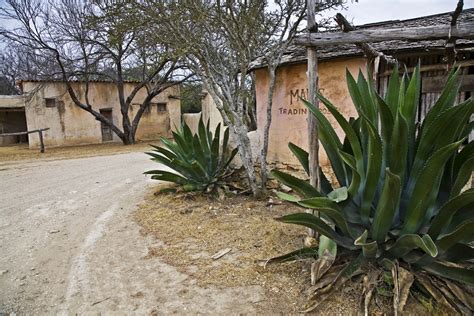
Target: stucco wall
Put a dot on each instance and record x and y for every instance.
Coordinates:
(210, 112)
(192, 120)
(289, 116)
(70, 125)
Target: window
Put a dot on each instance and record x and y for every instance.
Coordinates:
(50, 102)
(148, 109)
(161, 107)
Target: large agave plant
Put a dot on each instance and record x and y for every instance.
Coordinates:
(199, 161)
(400, 204)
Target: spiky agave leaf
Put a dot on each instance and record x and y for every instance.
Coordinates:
(198, 161)
(405, 201)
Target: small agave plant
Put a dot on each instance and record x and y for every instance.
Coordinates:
(400, 204)
(199, 161)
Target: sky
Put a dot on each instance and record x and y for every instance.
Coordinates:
(369, 11)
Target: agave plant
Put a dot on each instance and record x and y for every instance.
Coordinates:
(400, 203)
(199, 161)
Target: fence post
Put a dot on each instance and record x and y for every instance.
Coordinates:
(40, 133)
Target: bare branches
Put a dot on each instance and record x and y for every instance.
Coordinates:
(90, 40)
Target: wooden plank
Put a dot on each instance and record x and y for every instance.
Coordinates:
(463, 31)
(425, 68)
(25, 133)
(313, 137)
(437, 83)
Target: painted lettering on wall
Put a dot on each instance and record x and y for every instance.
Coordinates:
(295, 107)
(295, 95)
(292, 111)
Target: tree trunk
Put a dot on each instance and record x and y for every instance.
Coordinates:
(245, 153)
(240, 132)
(266, 131)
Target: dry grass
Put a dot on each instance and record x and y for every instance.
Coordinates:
(22, 152)
(194, 227)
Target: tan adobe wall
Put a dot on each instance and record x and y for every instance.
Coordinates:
(289, 116)
(192, 120)
(70, 125)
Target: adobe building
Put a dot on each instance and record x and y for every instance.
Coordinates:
(289, 116)
(47, 104)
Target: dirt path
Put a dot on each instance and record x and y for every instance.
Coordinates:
(68, 244)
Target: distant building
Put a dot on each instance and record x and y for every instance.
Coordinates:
(47, 104)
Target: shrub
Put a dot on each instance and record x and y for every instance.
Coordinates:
(400, 204)
(199, 161)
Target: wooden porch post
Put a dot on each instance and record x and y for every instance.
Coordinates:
(313, 139)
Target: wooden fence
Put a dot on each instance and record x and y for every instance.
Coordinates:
(40, 134)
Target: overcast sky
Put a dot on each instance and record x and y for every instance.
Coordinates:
(368, 11)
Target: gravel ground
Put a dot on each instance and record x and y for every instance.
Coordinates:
(68, 244)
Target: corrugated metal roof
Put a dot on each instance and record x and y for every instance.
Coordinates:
(297, 53)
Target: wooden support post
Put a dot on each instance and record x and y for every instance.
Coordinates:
(313, 139)
(40, 133)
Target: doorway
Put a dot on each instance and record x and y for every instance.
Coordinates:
(106, 130)
(12, 120)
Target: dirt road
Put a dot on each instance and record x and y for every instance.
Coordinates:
(68, 244)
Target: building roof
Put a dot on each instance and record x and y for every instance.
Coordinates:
(297, 53)
(12, 102)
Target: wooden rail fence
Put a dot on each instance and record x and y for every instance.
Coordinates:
(39, 131)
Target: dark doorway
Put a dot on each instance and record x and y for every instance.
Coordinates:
(12, 120)
(106, 130)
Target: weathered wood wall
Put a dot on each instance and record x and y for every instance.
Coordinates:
(433, 76)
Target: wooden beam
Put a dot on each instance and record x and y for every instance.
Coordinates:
(463, 30)
(313, 78)
(464, 63)
(24, 133)
(368, 50)
(40, 134)
(437, 83)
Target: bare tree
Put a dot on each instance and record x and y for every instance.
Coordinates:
(18, 62)
(219, 40)
(287, 17)
(89, 40)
